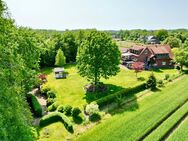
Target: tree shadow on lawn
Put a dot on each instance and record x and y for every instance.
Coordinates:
(92, 96)
(129, 104)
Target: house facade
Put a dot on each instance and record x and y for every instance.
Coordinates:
(158, 56)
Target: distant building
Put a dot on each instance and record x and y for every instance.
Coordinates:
(158, 56)
(152, 40)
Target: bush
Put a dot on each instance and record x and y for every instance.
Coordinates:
(35, 105)
(68, 110)
(75, 112)
(95, 117)
(178, 67)
(50, 101)
(160, 83)
(53, 107)
(60, 108)
(122, 93)
(51, 94)
(92, 108)
(152, 82)
(167, 76)
(55, 117)
(44, 90)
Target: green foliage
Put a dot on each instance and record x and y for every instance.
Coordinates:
(55, 117)
(60, 58)
(76, 111)
(35, 105)
(92, 108)
(151, 82)
(122, 93)
(50, 101)
(95, 117)
(44, 90)
(181, 57)
(60, 108)
(98, 56)
(51, 94)
(160, 83)
(161, 34)
(173, 42)
(68, 110)
(167, 76)
(17, 77)
(53, 107)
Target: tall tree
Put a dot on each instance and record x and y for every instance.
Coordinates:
(162, 34)
(181, 57)
(60, 58)
(15, 123)
(98, 56)
(173, 42)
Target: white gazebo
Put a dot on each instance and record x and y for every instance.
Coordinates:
(59, 73)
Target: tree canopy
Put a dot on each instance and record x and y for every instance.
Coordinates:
(98, 56)
(60, 58)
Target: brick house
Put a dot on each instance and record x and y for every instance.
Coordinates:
(158, 56)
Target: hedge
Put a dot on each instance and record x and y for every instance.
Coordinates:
(55, 117)
(35, 105)
(125, 92)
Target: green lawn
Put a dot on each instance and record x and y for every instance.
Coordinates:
(181, 133)
(131, 123)
(162, 130)
(71, 90)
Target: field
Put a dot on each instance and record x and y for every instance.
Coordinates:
(71, 90)
(152, 112)
(126, 44)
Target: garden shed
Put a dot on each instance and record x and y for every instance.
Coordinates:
(59, 73)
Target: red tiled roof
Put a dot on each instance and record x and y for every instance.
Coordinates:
(155, 49)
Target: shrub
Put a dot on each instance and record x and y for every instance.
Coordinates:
(75, 112)
(51, 94)
(167, 76)
(60, 108)
(160, 83)
(152, 82)
(45, 89)
(67, 110)
(50, 118)
(50, 101)
(125, 92)
(35, 105)
(95, 117)
(92, 108)
(178, 67)
(55, 117)
(53, 107)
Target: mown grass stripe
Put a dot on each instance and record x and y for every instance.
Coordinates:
(171, 130)
(161, 121)
(168, 124)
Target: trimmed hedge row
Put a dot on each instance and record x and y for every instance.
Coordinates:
(125, 92)
(35, 105)
(54, 117)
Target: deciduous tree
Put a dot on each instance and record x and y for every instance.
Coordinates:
(98, 56)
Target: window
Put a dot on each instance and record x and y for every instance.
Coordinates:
(163, 63)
